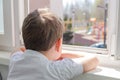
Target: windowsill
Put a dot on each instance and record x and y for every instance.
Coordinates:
(107, 70)
(84, 49)
(4, 57)
(101, 73)
(1, 33)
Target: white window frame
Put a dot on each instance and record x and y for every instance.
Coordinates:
(1, 18)
(18, 9)
(114, 30)
(117, 44)
(13, 14)
(6, 39)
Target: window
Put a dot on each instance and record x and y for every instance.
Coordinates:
(1, 17)
(12, 14)
(94, 15)
(85, 22)
(17, 11)
(6, 25)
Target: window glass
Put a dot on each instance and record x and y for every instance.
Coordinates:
(1, 17)
(85, 22)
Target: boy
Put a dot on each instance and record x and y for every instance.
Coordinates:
(42, 60)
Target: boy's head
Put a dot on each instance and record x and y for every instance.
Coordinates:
(41, 29)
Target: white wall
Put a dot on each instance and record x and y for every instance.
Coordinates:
(35, 4)
(56, 6)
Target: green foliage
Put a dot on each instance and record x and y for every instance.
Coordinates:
(65, 17)
(69, 26)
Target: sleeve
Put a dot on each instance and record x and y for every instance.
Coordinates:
(16, 55)
(65, 69)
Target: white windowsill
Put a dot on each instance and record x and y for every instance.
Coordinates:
(107, 70)
(4, 57)
(101, 73)
(84, 49)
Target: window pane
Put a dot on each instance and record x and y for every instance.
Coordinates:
(85, 22)
(1, 17)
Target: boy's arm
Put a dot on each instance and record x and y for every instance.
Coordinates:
(68, 68)
(88, 61)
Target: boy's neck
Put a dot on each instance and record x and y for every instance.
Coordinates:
(51, 54)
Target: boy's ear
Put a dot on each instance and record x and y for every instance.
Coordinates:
(58, 45)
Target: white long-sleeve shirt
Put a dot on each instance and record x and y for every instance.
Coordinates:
(32, 65)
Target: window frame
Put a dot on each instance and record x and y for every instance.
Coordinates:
(11, 39)
(114, 30)
(1, 6)
(7, 17)
(14, 12)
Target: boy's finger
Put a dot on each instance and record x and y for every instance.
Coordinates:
(22, 49)
(18, 49)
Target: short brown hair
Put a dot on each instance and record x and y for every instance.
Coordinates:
(41, 29)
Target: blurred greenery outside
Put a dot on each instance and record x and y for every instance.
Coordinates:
(85, 17)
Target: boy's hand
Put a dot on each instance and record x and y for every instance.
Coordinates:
(89, 62)
(22, 48)
(18, 49)
(69, 55)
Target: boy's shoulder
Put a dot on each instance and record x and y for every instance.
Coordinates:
(63, 69)
(16, 56)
